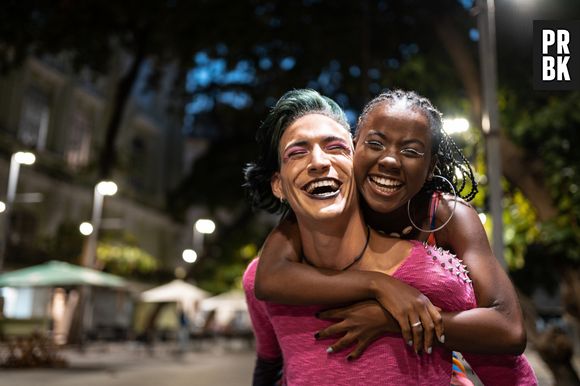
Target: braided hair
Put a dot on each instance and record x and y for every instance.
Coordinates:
(451, 162)
(289, 108)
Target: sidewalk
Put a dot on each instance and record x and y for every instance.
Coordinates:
(129, 364)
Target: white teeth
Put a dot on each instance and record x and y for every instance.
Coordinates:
(386, 182)
(328, 183)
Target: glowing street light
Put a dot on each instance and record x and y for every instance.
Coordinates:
(189, 256)
(86, 228)
(202, 227)
(455, 125)
(17, 159)
(205, 226)
(102, 189)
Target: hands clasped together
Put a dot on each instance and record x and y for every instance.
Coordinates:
(398, 308)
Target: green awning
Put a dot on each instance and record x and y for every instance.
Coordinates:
(59, 273)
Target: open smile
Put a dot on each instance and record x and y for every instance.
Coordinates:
(323, 188)
(385, 185)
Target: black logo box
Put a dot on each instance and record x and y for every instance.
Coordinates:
(573, 28)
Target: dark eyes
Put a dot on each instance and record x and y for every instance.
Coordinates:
(375, 145)
(412, 152)
(379, 146)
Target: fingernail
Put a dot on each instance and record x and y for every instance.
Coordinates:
(429, 350)
(330, 350)
(316, 336)
(442, 339)
(410, 342)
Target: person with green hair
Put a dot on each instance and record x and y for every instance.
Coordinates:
(414, 183)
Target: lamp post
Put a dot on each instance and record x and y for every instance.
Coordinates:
(84, 314)
(200, 228)
(102, 189)
(490, 119)
(17, 159)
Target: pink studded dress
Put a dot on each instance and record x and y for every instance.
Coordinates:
(288, 331)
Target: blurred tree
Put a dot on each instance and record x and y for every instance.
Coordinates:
(236, 58)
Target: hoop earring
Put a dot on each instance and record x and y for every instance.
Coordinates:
(446, 222)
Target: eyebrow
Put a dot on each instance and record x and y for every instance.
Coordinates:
(325, 140)
(405, 142)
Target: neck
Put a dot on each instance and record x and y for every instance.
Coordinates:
(398, 219)
(334, 244)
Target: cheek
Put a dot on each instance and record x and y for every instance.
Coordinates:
(359, 169)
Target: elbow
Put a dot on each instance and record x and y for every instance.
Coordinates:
(517, 340)
(262, 290)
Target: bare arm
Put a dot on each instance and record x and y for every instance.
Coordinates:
(496, 325)
(282, 279)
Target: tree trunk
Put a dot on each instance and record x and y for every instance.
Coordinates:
(553, 345)
(108, 156)
(517, 168)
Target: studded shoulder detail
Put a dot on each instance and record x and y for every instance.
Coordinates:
(448, 262)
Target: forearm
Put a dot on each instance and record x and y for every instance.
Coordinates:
(483, 331)
(300, 284)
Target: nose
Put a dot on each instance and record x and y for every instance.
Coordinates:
(390, 161)
(319, 160)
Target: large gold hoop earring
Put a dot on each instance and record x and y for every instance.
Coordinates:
(446, 222)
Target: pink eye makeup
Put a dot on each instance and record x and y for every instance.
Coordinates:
(338, 145)
(293, 151)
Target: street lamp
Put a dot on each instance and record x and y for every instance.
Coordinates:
(85, 307)
(490, 119)
(102, 189)
(201, 227)
(189, 256)
(455, 125)
(17, 159)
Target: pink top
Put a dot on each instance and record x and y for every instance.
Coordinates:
(289, 331)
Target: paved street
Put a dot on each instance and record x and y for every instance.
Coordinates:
(128, 365)
(216, 364)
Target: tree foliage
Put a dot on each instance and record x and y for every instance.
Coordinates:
(234, 59)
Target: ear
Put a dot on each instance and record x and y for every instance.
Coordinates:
(276, 184)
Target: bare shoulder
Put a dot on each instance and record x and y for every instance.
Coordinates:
(463, 223)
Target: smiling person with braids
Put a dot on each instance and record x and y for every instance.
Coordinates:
(406, 170)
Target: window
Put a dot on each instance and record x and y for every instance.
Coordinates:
(79, 139)
(33, 127)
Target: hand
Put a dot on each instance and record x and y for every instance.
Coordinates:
(409, 306)
(362, 322)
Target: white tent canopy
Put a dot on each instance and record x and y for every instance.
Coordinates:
(226, 305)
(176, 291)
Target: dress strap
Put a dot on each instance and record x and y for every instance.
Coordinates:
(433, 204)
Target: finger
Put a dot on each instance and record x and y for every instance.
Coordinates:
(417, 330)
(359, 349)
(341, 344)
(438, 321)
(406, 330)
(335, 313)
(428, 330)
(330, 331)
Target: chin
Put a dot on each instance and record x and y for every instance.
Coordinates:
(382, 205)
